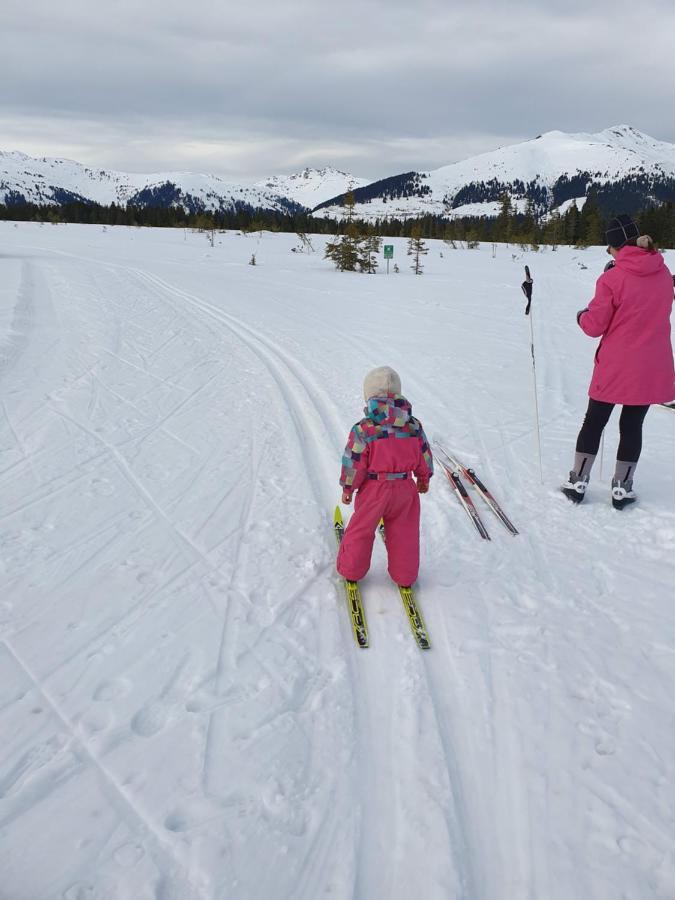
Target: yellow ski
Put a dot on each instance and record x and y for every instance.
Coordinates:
(357, 613)
(412, 610)
(419, 629)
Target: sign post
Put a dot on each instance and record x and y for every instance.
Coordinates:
(388, 254)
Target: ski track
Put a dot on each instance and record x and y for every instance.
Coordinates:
(286, 372)
(223, 639)
(296, 402)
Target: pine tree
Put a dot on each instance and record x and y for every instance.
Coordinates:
(416, 248)
(369, 247)
(590, 224)
(528, 228)
(572, 224)
(344, 251)
(504, 223)
(553, 230)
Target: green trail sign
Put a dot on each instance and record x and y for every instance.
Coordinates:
(388, 251)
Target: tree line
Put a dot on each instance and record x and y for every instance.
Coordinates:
(577, 227)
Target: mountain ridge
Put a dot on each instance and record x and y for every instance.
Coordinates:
(54, 181)
(619, 167)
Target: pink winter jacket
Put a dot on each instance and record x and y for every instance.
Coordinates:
(389, 440)
(631, 310)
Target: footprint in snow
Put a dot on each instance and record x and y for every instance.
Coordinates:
(605, 746)
(94, 722)
(128, 855)
(79, 891)
(151, 720)
(99, 487)
(645, 854)
(111, 690)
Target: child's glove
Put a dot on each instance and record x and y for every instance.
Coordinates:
(347, 497)
(422, 487)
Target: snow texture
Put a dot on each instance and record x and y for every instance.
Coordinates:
(184, 713)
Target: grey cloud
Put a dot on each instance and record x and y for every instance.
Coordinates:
(384, 86)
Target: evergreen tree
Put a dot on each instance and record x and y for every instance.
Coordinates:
(528, 227)
(345, 251)
(553, 230)
(369, 247)
(591, 224)
(573, 225)
(504, 223)
(659, 223)
(416, 248)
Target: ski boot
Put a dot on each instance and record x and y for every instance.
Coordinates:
(575, 487)
(622, 493)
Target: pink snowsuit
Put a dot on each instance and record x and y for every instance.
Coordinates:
(631, 310)
(382, 451)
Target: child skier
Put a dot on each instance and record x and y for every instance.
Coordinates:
(382, 451)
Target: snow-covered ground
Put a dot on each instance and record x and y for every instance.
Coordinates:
(184, 713)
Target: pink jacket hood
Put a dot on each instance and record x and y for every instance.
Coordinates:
(636, 261)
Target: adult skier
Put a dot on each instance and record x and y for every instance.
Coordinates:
(634, 360)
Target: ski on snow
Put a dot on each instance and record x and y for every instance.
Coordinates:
(412, 610)
(357, 613)
(355, 607)
(464, 499)
(487, 496)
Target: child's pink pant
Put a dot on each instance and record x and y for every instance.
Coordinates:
(398, 503)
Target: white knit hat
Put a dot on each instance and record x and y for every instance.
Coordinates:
(381, 381)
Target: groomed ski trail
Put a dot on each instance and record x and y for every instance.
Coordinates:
(170, 437)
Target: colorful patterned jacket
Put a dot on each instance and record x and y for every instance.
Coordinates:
(388, 440)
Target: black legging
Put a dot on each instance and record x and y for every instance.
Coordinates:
(630, 430)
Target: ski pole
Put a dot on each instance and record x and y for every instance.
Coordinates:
(527, 290)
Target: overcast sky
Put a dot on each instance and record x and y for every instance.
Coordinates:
(254, 88)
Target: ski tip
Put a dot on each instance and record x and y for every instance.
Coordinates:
(337, 516)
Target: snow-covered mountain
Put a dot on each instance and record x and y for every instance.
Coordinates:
(312, 187)
(55, 181)
(618, 167)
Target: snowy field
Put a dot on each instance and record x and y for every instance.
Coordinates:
(184, 713)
